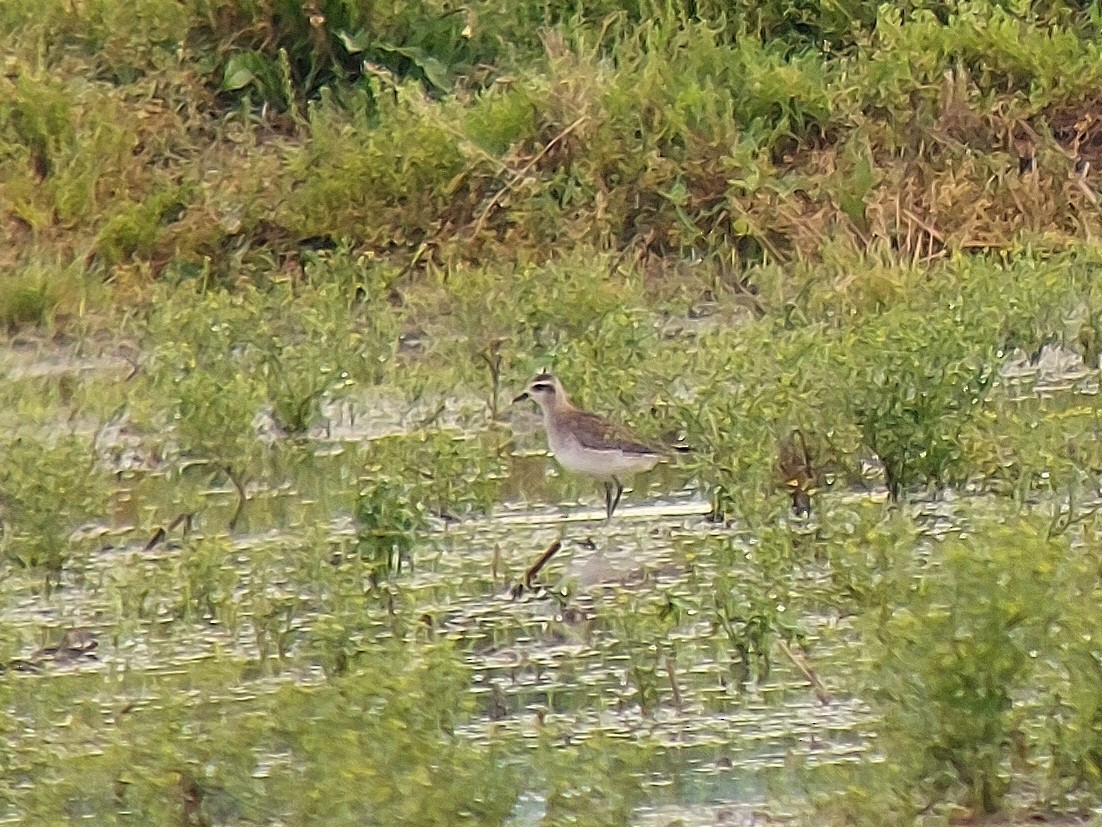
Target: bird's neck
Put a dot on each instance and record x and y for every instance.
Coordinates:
(559, 407)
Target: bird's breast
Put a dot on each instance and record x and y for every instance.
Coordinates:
(575, 457)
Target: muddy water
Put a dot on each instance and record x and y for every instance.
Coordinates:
(543, 660)
(566, 656)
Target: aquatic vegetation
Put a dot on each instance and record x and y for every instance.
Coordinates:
(754, 386)
(913, 386)
(204, 376)
(444, 469)
(206, 583)
(754, 601)
(506, 327)
(388, 520)
(303, 352)
(950, 663)
(48, 489)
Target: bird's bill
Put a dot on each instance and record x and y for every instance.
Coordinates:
(521, 397)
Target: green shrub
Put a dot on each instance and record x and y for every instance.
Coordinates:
(755, 386)
(205, 377)
(443, 470)
(205, 579)
(387, 523)
(952, 659)
(752, 602)
(188, 761)
(502, 322)
(47, 491)
(377, 746)
(1074, 730)
(305, 345)
(913, 384)
(1028, 445)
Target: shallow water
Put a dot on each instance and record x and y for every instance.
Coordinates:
(538, 662)
(566, 657)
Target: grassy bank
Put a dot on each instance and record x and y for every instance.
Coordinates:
(226, 140)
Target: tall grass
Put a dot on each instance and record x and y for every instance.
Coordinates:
(219, 134)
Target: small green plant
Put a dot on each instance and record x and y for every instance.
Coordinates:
(274, 611)
(501, 322)
(47, 491)
(914, 384)
(215, 409)
(456, 473)
(445, 471)
(303, 346)
(388, 519)
(641, 627)
(753, 387)
(950, 660)
(352, 295)
(753, 603)
(1036, 444)
(870, 572)
(205, 372)
(206, 581)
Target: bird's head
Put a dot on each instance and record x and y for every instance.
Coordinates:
(545, 390)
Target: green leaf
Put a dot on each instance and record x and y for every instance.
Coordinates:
(239, 72)
(434, 71)
(355, 43)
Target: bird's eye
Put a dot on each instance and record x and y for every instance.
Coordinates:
(543, 386)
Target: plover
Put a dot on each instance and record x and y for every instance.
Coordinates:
(589, 444)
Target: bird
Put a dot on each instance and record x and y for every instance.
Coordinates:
(588, 444)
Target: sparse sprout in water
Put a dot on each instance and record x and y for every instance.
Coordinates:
(388, 521)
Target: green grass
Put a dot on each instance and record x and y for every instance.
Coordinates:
(209, 137)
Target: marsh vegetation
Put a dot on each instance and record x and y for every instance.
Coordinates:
(273, 271)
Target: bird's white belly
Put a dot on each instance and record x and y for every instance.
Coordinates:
(573, 456)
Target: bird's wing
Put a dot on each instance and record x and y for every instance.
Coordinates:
(599, 434)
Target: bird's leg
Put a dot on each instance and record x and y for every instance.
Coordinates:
(616, 499)
(608, 500)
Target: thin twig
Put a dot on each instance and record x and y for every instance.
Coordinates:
(239, 484)
(162, 532)
(534, 569)
(541, 562)
(805, 670)
(677, 700)
(929, 228)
